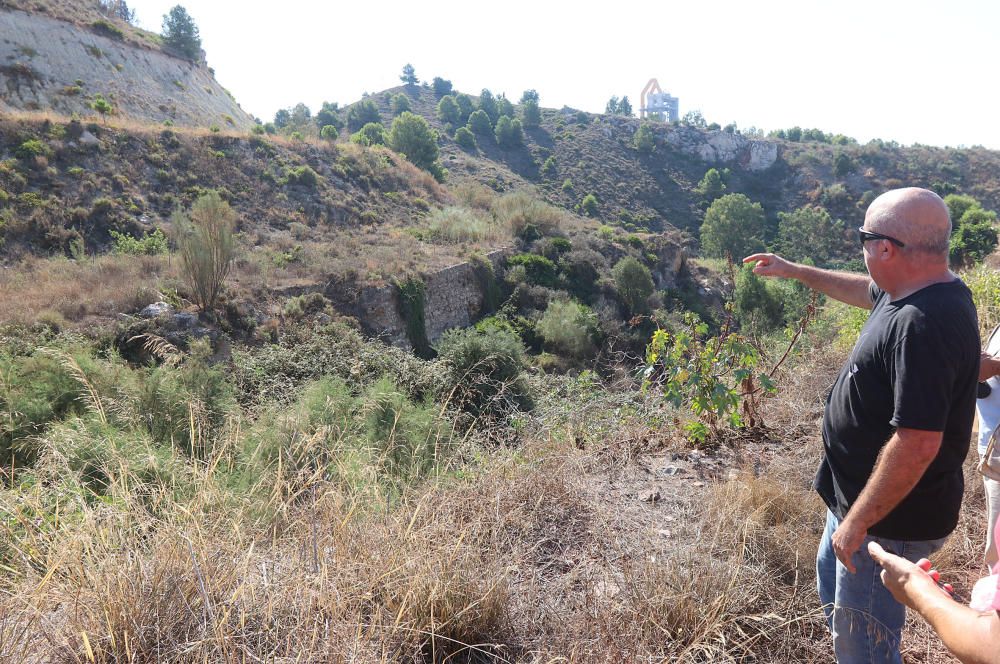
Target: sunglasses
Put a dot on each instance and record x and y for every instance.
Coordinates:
(868, 235)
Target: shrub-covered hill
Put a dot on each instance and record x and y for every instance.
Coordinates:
(573, 154)
(66, 187)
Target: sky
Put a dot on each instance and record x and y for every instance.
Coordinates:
(914, 72)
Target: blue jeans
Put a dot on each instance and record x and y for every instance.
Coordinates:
(864, 619)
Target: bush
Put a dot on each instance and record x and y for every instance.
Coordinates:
(810, 232)
(755, 303)
(539, 270)
(361, 114)
(485, 367)
(549, 167)
(399, 103)
(843, 164)
(448, 110)
(465, 105)
(568, 328)
(32, 148)
(412, 136)
(465, 138)
(972, 242)
(441, 86)
(531, 114)
(712, 185)
(328, 132)
(589, 205)
(207, 246)
(643, 140)
(303, 176)
(634, 284)
(371, 134)
(480, 123)
(581, 269)
(733, 225)
(508, 132)
(150, 244)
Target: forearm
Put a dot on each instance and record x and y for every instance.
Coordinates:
(973, 637)
(900, 466)
(848, 287)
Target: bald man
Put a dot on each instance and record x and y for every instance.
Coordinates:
(898, 419)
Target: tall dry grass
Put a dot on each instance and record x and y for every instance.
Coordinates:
(99, 286)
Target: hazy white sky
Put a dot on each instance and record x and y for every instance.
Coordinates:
(914, 71)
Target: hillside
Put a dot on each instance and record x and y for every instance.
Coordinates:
(60, 56)
(595, 153)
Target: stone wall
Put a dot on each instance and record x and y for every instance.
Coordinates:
(453, 298)
(48, 64)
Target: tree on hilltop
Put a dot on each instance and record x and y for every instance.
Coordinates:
(624, 107)
(118, 9)
(181, 34)
(409, 75)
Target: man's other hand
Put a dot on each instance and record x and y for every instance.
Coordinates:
(846, 541)
(771, 265)
(989, 366)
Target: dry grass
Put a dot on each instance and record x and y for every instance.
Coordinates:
(75, 290)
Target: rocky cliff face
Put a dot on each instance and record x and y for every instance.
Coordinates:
(49, 64)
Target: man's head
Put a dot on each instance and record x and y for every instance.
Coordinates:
(916, 230)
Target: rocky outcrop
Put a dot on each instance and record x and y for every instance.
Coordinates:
(720, 147)
(48, 64)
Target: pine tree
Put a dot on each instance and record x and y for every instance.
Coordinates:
(181, 34)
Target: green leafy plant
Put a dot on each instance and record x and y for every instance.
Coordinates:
(150, 244)
(716, 378)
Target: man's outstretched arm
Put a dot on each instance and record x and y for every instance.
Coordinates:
(847, 287)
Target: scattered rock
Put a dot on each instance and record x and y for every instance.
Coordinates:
(671, 470)
(663, 532)
(156, 309)
(86, 138)
(698, 484)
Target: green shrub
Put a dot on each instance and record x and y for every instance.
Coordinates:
(539, 270)
(756, 306)
(480, 123)
(32, 148)
(465, 139)
(465, 105)
(568, 328)
(508, 132)
(485, 367)
(371, 134)
(810, 232)
(973, 241)
(413, 137)
(442, 87)
(303, 176)
(206, 243)
(634, 284)
(531, 114)
(448, 110)
(361, 114)
(150, 244)
(589, 205)
(581, 269)
(329, 132)
(643, 140)
(567, 185)
(549, 167)
(399, 103)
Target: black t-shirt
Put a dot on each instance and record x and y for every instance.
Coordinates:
(915, 365)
